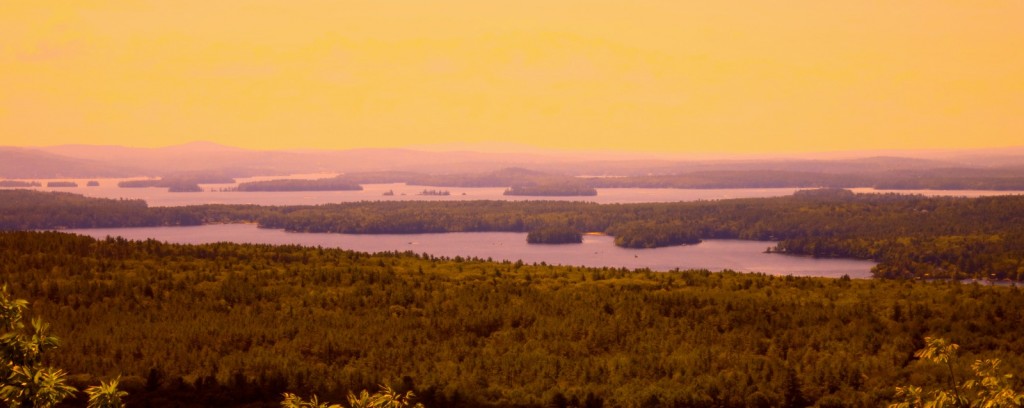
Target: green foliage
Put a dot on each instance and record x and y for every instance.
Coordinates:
(388, 398)
(385, 398)
(24, 381)
(993, 388)
(361, 400)
(30, 386)
(987, 388)
(106, 395)
(294, 401)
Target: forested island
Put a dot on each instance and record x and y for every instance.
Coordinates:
(909, 236)
(185, 183)
(61, 184)
(549, 190)
(554, 235)
(652, 234)
(233, 325)
(324, 184)
(174, 186)
(19, 183)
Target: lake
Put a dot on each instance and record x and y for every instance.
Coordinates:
(595, 251)
(160, 197)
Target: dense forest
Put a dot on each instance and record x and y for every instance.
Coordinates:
(231, 325)
(26, 209)
(910, 236)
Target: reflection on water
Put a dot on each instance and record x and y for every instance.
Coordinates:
(595, 251)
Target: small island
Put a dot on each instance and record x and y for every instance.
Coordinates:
(551, 190)
(554, 235)
(92, 183)
(324, 184)
(172, 185)
(648, 234)
(435, 193)
(61, 184)
(18, 183)
(185, 183)
(184, 188)
(140, 183)
(389, 193)
(825, 193)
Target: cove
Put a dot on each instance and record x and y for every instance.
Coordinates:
(595, 251)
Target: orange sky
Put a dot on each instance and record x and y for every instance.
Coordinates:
(640, 75)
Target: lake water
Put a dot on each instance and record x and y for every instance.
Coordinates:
(745, 256)
(595, 251)
(160, 197)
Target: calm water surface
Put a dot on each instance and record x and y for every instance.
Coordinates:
(596, 251)
(747, 256)
(160, 197)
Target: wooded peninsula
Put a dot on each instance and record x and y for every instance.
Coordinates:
(910, 236)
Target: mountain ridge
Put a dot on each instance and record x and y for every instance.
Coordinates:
(83, 160)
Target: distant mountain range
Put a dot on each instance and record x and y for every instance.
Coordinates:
(83, 161)
(24, 163)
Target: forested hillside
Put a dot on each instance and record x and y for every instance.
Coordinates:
(227, 325)
(910, 236)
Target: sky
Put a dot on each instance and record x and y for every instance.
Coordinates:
(638, 75)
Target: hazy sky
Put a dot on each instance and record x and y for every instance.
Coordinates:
(639, 75)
